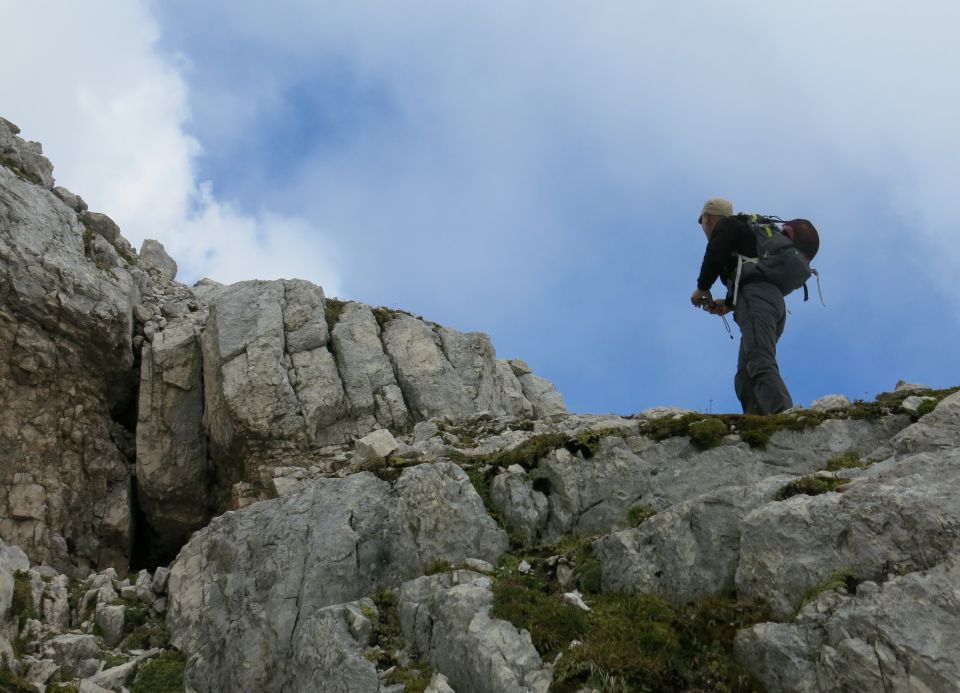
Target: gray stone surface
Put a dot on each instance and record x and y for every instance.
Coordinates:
(688, 551)
(897, 517)
(594, 496)
(446, 619)
(154, 256)
(172, 466)
(543, 395)
(240, 586)
(376, 445)
(65, 357)
(12, 559)
(429, 382)
(328, 651)
(23, 156)
(371, 388)
(902, 635)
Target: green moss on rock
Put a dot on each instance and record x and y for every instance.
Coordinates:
(22, 605)
(707, 433)
(161, 675)
(332, 310)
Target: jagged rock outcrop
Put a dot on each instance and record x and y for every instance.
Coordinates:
(124, 391)
(564, 495)
(66, 356)
(242, 585)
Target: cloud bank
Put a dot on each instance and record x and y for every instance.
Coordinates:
(111, 110)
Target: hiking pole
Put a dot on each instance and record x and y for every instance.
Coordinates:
(727, 325)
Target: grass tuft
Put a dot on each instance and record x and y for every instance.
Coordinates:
(161, 675)
(809, 486)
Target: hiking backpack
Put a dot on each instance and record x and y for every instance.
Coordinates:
(782, 259)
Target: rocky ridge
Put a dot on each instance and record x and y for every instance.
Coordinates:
(331, 496)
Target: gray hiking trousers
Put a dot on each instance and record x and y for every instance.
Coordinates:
(761, 314)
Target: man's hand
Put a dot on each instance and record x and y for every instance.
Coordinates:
(719, 307)
(701, 298)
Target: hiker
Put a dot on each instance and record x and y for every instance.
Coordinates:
(758, 307)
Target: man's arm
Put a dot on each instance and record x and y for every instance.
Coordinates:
(723, 242)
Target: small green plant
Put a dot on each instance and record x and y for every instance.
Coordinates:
(641, 643)
(163, 674)
(840, 579)
(809, 486)
(11, 683)
(927, 406)
(150, 634)
(638, 514)
(415, 678)
(22, 605)
(387, 635)
(437, 567)
(332, 310)
(707, 433)
(848, 460)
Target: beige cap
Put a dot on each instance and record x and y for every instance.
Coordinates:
(716, 207)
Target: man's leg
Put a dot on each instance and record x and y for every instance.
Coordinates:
(761, 315)
(741, 383)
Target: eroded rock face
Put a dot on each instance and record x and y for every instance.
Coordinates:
(688, 551)
(902, 635)
(65, 375)
(895, 518)
(241, 585)
(446, 619)
(173, 473)
(628, 470)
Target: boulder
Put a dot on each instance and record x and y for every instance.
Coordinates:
(376, 445)
(26, 158)
(154, 256)
(543, 395)
(371, 389)
(429, 382)
(246, 580)
(446, 619)
(688, 551)
(900, 517)
(899, 635)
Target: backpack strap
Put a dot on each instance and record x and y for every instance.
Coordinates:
(741, 261)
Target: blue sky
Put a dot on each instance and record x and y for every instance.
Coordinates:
(531, 170)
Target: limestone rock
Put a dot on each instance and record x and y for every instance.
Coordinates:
(172, 465)
(65, 358)
(628, 470)
(328, 652)
(547, 402)
(446, 618)
(369, 383)
(901, 635)
(901, 517)
(24, 157)
(12, 559)
(376, 445)
(429, 382)
(154, 256)
(250, 576)
(688, 551)
(938, 430)
(831, 403)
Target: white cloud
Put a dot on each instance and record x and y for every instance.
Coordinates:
(88, 82)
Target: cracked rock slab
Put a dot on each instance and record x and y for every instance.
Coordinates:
(243, 584)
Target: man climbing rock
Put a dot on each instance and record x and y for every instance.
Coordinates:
(760, 310)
